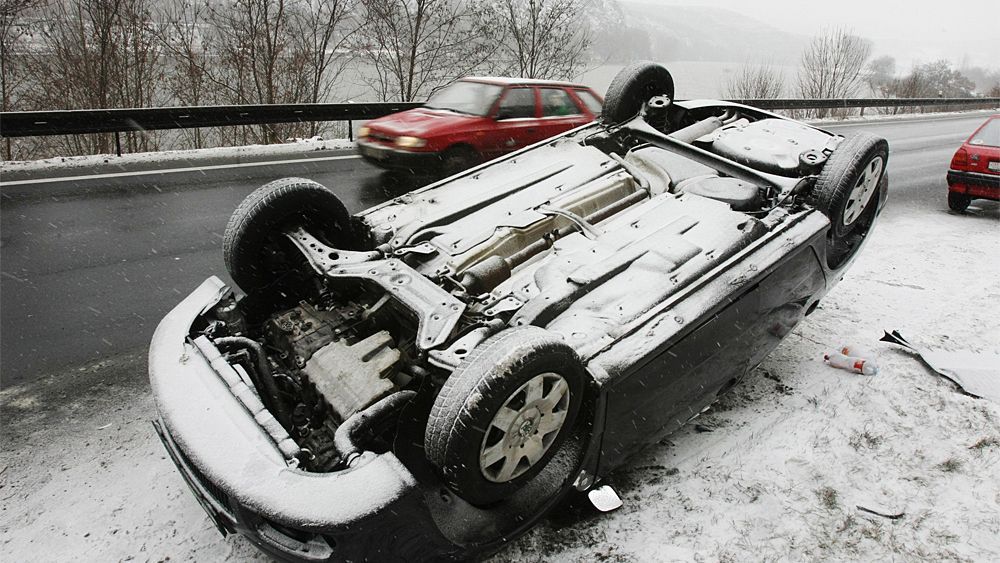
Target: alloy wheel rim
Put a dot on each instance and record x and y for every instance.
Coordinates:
(863, 191)
(524, 428)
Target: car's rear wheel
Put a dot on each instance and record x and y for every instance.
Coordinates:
(256, 252)
(504, 413)
(633, 86)
(847, 192)
(958, 202)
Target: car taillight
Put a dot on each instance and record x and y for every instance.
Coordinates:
(961, 159)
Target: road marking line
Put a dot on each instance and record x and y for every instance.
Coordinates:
(174, 170)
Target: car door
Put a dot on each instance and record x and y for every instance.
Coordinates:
(664, 392)
(516, 123)
(560, 112)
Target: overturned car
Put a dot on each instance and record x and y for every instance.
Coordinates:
(425, 379)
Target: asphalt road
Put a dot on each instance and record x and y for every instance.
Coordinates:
(90, 265)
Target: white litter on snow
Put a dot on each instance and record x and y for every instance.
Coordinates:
(977, 373)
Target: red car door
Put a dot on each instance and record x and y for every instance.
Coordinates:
(516, 123)
(560, 112)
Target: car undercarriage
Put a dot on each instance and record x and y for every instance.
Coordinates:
(477, 339)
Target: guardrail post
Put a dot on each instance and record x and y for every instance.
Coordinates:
(350, 130)
(118, 143)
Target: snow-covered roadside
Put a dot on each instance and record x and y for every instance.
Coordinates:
(874, 117)
(798, 446)
(191, 157)
(794, 448)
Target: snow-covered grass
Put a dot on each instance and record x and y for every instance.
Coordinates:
(792, 452)
(191, 157)
(872, 115)
(798, 446)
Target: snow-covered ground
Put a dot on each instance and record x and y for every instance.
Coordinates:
(798, 446)
(191, 157)
(792, 452)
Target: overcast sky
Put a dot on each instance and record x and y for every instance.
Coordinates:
(916, 31)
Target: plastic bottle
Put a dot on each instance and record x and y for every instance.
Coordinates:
(855, 351)
(857, 365)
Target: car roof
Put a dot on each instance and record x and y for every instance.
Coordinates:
(508, 80)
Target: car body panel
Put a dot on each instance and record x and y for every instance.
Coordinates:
(975, 168)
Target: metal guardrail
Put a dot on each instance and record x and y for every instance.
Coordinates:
(838, 103)
(72, 122)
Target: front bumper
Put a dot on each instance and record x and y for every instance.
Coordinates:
(374, 509)
(974, 184)
(396, 159)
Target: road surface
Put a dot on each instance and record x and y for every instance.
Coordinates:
(89, 266)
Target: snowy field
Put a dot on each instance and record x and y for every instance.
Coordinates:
(776, 471)
(798, 447)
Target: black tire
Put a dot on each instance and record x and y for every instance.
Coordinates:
(255, 251)
(458, 159)
(958, 202)
(633, 86)
(851, 166)
(487, 380)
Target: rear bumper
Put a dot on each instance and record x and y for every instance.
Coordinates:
(372, 510)
(395, 159)
(974, 184)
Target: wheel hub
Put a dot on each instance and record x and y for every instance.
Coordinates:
(863, 190)
(524, 427)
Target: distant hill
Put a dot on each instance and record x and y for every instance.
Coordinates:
(689, 33)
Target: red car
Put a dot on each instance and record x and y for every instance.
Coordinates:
(975, 169)
(474, 120)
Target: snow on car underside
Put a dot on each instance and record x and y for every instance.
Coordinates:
(485, 301)
(580, 240)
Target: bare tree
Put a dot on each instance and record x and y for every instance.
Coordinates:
(187, 55)
(414, 46)
(260, 52)
(880, 73)
(326, 29)
(542, 38)
(755, 82)
(13, 29)
(98, 54)
(833, 65)
(256, 60)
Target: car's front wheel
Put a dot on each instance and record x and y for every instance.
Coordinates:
(254, 247)
(504, 413)
(958, 202)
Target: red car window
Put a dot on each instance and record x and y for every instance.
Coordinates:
(517, 103)
(593, 104)
(556, 102)
(473, 98)
(988, 135)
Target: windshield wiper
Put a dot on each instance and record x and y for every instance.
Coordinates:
(450, 109)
